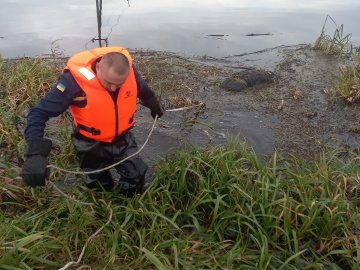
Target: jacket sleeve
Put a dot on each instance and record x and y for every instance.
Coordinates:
(54, 103)
(144, 91)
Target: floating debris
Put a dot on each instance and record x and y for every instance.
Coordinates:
(281, 106)
(217, 35)
(298, 94)
(254, 35)
(354, 96)
(311, 115)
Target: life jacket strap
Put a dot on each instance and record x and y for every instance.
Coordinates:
(91, 130)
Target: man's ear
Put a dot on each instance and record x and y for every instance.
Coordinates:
(97, 66)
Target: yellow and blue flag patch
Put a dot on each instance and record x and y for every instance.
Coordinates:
(61, 87)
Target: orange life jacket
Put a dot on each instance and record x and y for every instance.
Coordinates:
(102, 119)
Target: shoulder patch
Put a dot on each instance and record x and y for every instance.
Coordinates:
(61, 87)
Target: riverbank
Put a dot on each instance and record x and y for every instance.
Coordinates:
(294, 115)
(218, 205)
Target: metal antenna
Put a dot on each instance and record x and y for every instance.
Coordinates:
(99, 23)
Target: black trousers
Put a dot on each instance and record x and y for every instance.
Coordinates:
(93, 155)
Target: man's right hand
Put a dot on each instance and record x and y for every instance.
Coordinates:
(34, 170)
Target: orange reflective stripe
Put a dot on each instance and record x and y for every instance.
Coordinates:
(101, 112)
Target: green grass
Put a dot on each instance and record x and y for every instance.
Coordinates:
(340, 44)
(215, 208)
(22, 82)
(347, 78)
(212, 208)
(337, 44)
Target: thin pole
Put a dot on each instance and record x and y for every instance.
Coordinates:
(98, 14)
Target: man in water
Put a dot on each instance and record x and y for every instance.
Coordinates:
(100, 87)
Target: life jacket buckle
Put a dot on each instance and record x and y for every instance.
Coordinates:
(91, 130)
(95, 131)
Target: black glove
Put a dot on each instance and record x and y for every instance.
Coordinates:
(34, 169)
(154, 105)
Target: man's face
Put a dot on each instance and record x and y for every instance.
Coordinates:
(108, 77)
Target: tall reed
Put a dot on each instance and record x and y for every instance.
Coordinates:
(337, 44)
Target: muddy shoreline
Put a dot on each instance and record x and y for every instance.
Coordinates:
(292, 115)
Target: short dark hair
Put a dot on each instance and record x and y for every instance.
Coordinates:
(118, 61)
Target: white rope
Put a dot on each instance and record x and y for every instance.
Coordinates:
(90, 204)
(137, 152)
(185, 108)
(87, 242)
(113, 165)
(67, 196)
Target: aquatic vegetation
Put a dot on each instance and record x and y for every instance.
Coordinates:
(347, 83)
(337, 44)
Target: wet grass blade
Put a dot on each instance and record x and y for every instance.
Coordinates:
(151, 256)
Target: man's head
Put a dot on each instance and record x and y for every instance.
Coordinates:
(112, 70)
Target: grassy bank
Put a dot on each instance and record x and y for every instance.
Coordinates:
(347, 84)
(22, 83)
(217, 208)
(212, 208)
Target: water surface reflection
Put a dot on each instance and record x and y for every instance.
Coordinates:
(183, 27)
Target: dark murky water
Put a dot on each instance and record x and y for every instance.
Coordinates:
(173, 132)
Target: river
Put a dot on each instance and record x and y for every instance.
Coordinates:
(202, 28)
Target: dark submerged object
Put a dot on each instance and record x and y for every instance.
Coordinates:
(247, 79)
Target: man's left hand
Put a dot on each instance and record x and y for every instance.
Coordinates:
(157, 110)
(154, 105)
